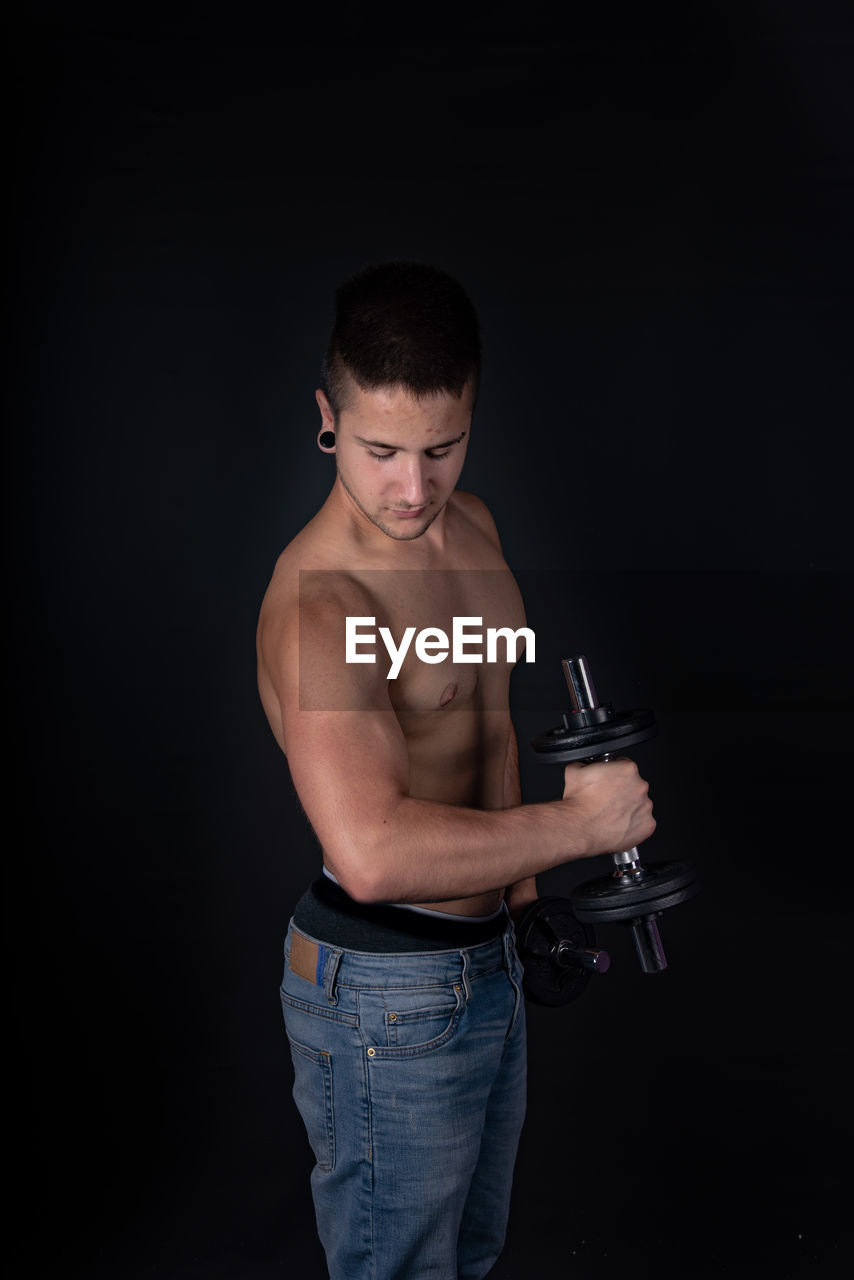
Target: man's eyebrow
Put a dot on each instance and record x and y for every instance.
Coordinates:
(395, 448)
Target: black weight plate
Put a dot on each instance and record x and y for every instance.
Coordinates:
(581, 742)
(608, 898)
(542, 924)
(620, 914)
(552, 919)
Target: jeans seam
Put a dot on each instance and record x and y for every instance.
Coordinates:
(512, 963)
(321, 1058)
(366, 1078)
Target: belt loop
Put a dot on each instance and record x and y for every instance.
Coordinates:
(465, 975)
(330, 976)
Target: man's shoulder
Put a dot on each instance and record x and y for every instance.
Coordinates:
(302, 636)
(475, 511)
(312, 553)
(311, 587)
(478, 520)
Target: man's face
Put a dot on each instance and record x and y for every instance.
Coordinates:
(399, 458)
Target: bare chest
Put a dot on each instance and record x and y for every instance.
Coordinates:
(451, 638)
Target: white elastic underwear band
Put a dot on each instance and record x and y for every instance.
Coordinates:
(428, 911)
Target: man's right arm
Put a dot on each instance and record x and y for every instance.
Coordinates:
(349, 763)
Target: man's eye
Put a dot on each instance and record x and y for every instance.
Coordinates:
(384, 457)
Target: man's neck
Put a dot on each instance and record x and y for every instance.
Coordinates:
(356, 525)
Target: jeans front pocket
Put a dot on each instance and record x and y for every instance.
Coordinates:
(410, 1020)
(313, 1096)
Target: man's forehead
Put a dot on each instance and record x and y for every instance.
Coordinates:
(397, 409)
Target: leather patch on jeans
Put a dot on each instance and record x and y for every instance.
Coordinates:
(306, 959)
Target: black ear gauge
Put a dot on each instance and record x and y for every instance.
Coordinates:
(326, 439)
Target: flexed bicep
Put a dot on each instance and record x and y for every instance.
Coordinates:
(345, 748)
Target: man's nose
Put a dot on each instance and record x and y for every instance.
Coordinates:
(414, 482)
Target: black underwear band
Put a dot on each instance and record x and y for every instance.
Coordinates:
(330, 915)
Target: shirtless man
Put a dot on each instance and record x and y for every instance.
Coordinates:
(401, 991)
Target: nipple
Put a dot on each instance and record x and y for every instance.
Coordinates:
(448, 694)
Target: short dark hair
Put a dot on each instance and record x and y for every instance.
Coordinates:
(402, 324)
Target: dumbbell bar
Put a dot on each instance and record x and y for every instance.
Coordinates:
(633, 894)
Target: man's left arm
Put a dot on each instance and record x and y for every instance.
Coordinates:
(520, 894)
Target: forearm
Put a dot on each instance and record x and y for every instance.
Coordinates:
(422, 851)
(522, 892)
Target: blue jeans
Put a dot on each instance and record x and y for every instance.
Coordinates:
(409, 1074)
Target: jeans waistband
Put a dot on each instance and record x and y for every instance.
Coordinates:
(337, 967)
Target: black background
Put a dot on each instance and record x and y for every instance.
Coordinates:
(653, 215)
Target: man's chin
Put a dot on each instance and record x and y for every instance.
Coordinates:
(402, 529)
(406, 529)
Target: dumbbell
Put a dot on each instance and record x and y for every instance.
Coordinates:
(556, 937)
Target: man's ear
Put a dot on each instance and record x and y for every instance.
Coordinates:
(326, 414)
